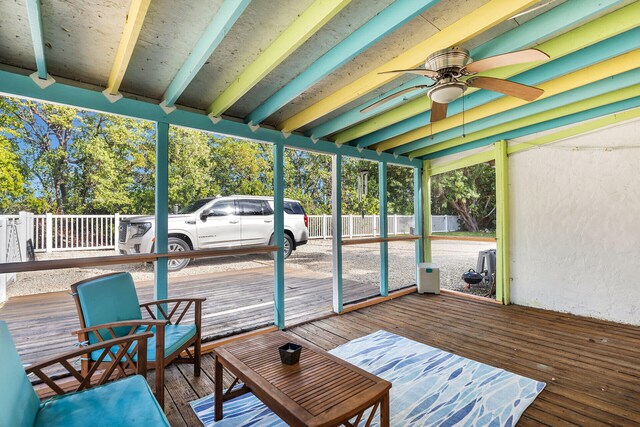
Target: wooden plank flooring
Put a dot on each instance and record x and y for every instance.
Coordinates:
(237, 301)
(591, 367)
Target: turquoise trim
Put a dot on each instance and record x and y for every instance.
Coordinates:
(619, 81)
(417, 212)
(391, 18)
(278, 234)
(336, 232)
(37, 37)
(355, 116)
(162, 211)
(219, 26)
(541, 127)
(22, 86)
(384, 229)
(598, 52)
(541, 27)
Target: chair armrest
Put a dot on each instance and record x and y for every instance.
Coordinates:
(169, 315)
(133, 324)
(125, 348)
(172, 300)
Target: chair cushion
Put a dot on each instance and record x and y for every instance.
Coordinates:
(109, 298)
(18, 401)
(128, 402)
(175, 336)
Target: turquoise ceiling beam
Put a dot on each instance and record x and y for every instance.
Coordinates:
(391, 18)
(554, 21)
(541, 127)
(215, 32)
(581, 93)
(37, 36)
(13, 84)
(598, 52)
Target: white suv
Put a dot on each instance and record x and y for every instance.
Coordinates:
(220, 222)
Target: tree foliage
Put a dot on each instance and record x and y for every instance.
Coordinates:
(63, 160)
(469, 193)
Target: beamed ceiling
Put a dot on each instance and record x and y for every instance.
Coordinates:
(310, 66)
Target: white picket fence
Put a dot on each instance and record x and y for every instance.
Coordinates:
(369, 225)
(75, 232)
(52, 233)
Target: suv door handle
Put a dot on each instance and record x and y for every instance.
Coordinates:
(233, 221)
(268, 220)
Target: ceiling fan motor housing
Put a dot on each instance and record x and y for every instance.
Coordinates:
(448, 61)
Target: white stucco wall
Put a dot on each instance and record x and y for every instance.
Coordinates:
(575, 224)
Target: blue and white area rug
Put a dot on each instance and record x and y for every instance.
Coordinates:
(430, 388)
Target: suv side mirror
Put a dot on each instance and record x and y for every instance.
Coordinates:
(205, 214)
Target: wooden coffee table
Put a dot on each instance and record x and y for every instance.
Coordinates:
(321, 390)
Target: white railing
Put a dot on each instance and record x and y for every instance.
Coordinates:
(51, 233)
(359, 226)
(75, 232)
(369, 225)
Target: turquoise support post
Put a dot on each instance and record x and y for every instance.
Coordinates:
(384, 229)
(278, 233)
(35, 22)
(417, 213)
(162, 211)
(336, 227)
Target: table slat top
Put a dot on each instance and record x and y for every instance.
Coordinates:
(318, 388)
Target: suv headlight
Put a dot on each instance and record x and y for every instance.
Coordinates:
(140, 229)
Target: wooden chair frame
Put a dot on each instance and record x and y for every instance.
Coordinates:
(119, 348)
(162, 307)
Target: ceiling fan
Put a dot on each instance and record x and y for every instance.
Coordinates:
(453, 71)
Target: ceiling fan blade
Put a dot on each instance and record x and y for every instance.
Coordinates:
(438, 111)
(528, 93)
(420, 71)
(519, 57)
(390, 97)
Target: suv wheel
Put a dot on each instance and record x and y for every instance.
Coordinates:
(288, 246)
(178, 245)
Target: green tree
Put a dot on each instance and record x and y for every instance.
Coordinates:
(191, 174)
(469, 193)
(308, 179)
(63, 160)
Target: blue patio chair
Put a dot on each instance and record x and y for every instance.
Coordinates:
(108, 308)
(126, 402)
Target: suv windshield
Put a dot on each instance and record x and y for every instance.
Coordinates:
(194, 206)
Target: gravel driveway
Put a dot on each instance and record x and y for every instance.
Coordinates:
(360, 263)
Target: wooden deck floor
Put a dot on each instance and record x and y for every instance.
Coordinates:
(237, 301)
(591, 367)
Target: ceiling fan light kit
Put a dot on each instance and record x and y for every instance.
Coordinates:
(447, 91)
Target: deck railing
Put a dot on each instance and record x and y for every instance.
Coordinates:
(369, 225)
(52, 233)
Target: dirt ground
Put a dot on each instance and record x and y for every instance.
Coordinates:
(360, 263)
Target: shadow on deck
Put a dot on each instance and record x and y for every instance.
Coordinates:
(237, 301)
(590, 366)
